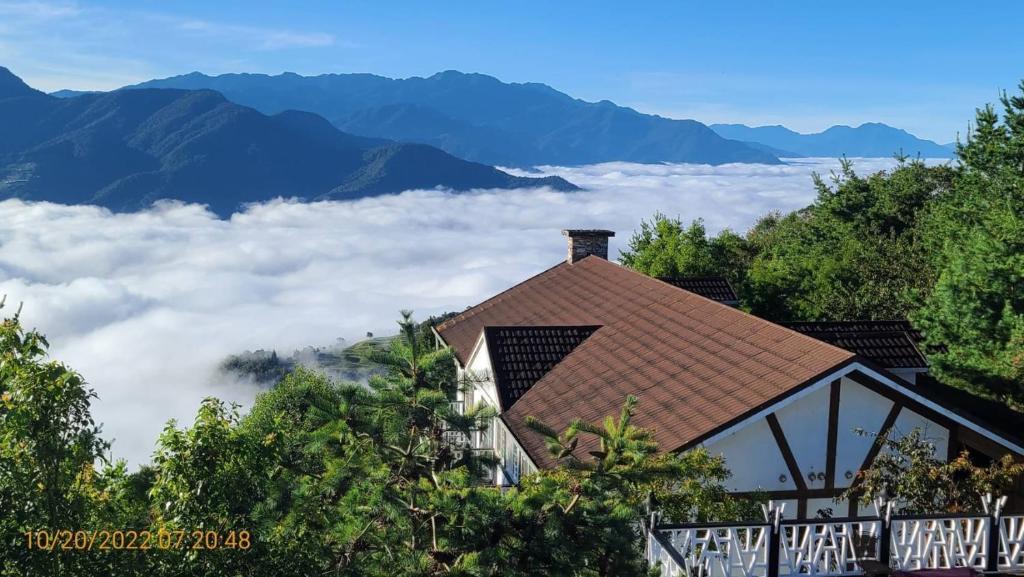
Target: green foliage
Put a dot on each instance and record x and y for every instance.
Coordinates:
(697, 491)
(663, 247)
(855, 253)
(940, 245)
(209, 477)
(603, 496)
(331, 479)
(974, 317)
(49, 445)
(908, 473)
(260, 366)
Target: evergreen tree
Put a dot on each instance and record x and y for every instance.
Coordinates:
(974, 317)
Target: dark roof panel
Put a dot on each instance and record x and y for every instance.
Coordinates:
(521, 356)
(808, 327)
(716, 288)
(891, 344)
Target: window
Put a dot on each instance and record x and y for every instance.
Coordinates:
(501, 439)
(486, 435)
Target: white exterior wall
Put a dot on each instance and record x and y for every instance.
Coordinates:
(839, 509)
(805, 424)
(478, 371)
(756, 462)
(754, 458)
(859, 407)
(938, 435)
(514, 461)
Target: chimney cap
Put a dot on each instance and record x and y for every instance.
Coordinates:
(587, 232)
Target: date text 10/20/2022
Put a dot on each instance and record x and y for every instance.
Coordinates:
(131, 540)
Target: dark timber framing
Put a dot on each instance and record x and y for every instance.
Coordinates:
(876, 447)
(833, 434)
(791, 464)
(905, 401)
(883, 433)
(958, 436)
(797, 495)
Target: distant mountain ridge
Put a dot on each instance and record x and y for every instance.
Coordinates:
(127, 148)
(480, 118)
(870, 139)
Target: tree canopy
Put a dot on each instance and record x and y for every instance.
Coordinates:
(327, 478)
(940, 245)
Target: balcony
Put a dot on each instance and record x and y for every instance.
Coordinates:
(986, 542)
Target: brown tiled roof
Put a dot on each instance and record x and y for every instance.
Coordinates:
(521, 356)
(716, 288)
(695, 364)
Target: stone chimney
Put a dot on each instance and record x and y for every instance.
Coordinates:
(583, 243)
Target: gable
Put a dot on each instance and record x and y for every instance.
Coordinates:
(871, 401)
(820, 436)
(521, 356)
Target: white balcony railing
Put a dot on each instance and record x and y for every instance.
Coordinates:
(826, 547)
(839, 547)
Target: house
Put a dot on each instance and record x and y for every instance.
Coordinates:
(781, 404)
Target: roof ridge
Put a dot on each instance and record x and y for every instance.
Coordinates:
(559, 326)
(465, 314)
(731, 308)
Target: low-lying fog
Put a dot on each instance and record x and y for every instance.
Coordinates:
(146, 305)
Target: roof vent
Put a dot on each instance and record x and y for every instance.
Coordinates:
(586, 242)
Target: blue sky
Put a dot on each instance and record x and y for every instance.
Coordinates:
(920, 66)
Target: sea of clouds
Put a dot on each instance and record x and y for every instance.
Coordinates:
(146, 305)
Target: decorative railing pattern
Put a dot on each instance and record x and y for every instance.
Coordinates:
(826, 547)
(1011, 543)
(721, 551)
(840, 547)
(661, 553)
(940, 543)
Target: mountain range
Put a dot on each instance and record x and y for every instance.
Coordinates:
(127, 148)
(480, 118)
(236, 138)
(869, 139)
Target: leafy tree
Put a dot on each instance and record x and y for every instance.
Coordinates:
(209, 477)
(49, 446)
(856, 252)
(664, 247)
(909, 473)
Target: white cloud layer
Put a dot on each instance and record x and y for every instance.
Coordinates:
(146, 304)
